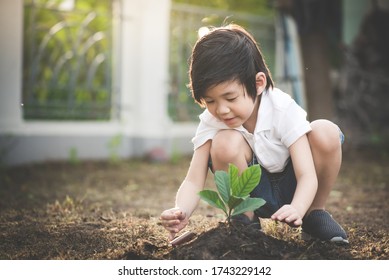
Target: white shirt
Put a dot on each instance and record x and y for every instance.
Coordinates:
(281, 121)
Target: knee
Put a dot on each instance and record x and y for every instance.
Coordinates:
(227, 145)
(324, 137)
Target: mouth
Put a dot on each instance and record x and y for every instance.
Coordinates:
(229, 120)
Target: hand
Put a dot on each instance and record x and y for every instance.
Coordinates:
(173, 220)
(288, 214)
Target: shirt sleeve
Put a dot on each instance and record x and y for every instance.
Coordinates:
(203, 134)
(207, 129)
(293, 124)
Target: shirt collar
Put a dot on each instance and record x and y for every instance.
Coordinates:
(265, 112)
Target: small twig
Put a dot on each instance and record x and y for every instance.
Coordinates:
(105, 219)
(225, 254)
(308, 248)
(248, 244)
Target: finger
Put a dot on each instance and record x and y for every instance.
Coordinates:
(291, 217)
(170, 223)
(295, 223)
(180, 215)
(278, 214)
(170, 212)
(293, 220)
(172, 230)
(175, 211)
(298, 222)
(168, 216)
(275, 215)
(171, 235)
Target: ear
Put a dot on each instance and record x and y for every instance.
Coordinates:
(260, 82)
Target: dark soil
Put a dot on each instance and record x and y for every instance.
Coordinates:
(107, 210)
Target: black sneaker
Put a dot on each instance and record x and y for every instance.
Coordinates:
(320, 224)
(242, 219)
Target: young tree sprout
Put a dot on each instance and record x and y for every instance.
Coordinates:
(233, 191)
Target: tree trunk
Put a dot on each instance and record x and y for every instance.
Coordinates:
(317, 76)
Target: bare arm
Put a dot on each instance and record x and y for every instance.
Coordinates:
(306, 188)
(187, 197)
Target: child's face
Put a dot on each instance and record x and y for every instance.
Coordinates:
(229, 103)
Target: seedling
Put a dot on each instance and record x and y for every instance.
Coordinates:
(233, 191)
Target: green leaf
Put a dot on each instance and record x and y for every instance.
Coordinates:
(249, 204)
(223, 184)
(233, 190)
(213, 199)
(233, 173)
(248, 180)
(234, 201)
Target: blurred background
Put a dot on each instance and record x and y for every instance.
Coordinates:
(107, 79)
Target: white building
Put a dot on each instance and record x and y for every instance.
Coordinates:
(141, 79)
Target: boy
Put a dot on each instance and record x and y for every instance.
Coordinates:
(248, 121)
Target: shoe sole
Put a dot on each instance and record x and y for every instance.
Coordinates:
(337, 239)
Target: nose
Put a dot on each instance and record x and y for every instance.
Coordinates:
(222, 109)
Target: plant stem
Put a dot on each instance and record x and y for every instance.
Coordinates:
(229, 216)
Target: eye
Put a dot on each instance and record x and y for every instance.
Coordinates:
(231, 99)
(208, 101)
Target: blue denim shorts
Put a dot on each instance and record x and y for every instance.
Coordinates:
(277, 189)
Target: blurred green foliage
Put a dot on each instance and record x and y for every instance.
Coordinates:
(67, 59)
(257, 7)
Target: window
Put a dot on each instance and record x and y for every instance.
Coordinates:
(67, 59)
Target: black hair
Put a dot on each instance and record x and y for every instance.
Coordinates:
(225, 54)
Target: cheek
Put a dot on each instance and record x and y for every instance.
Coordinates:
(212, 110)
(247, 108)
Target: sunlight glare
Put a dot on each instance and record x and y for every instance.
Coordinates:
(203, 31)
